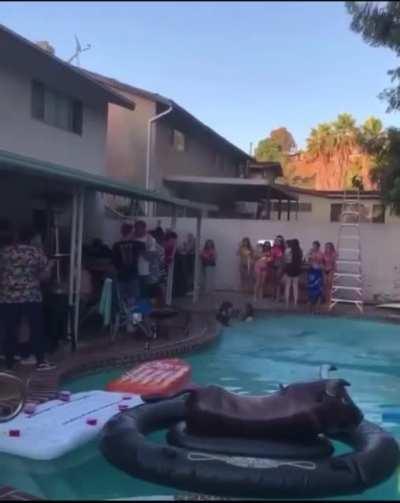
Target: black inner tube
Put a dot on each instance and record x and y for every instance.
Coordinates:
(125, 445)
(319, 448)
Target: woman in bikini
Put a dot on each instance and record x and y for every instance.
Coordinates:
(278, 265)
(330, 257)
(261, 270)
(208, 259)
(315, 282)
(246, 257)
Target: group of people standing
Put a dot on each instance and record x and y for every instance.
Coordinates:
(281, 263)
(141, 259)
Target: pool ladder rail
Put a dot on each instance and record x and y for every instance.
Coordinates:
(347, 285)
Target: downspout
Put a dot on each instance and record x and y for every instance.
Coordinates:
(149, 150)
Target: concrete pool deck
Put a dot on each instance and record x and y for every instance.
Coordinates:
(182, 334)
(193, 328)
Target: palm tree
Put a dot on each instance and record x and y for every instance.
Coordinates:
(371, 139)
(345, 141)
(320, 145)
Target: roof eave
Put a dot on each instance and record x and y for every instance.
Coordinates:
(107, 94)
(162, 100)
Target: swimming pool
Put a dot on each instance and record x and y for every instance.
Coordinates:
(249, 358)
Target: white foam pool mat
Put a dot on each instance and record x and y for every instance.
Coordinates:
(57, 427)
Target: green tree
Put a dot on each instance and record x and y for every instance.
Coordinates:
(371, 135)
(333, 143)
(386, 172)
(268, 150)
(284, 139)
(345, 139)
(320, 143)
(379, 25)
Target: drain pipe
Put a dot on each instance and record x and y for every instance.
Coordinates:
(149, 150)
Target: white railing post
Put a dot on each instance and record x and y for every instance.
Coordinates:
(72, 262)
(196, 281)
(170, 279)
(81, 201)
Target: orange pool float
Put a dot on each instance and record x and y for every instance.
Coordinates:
(158, 377)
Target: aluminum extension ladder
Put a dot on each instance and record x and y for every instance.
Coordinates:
(347, 287)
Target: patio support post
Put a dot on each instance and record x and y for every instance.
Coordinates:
(81, 201)
(268, 203)
(72, 262)
(297, 209)
(170, 279)
(196, 282)
(288, 209)
(279, 209)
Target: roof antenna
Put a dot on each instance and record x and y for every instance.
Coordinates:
(78, 50)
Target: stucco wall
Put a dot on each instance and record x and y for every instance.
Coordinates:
(321, 209)
(127, 140)
(21, 134)
(198, 159)
(380, 245)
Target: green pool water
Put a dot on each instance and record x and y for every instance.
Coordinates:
(249, 358)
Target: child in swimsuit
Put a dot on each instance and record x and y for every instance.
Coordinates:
(261, 270)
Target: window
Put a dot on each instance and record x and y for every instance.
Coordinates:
(178, 141)
(303, 207)
(56, 109)
(336, 210)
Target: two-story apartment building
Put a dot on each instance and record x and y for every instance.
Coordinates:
(51, 115)
(162, 146)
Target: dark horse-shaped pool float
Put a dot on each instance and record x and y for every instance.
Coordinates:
(270, 446)
(300, 410)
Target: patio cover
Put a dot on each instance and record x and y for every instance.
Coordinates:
(214, 190)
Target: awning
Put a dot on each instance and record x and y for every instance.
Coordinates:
(16, 164)
(216, 190)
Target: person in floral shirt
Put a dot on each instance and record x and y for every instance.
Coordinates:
(22, 267)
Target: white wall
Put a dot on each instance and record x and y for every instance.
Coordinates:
(127, 140)
(380, 247)
(21, 134)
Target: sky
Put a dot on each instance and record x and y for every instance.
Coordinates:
(243, 68)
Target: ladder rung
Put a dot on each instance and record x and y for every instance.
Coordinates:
(349, 212)
(346, 261)
(348, 274)
(349, 250)
(347, 301)
(347, 288)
